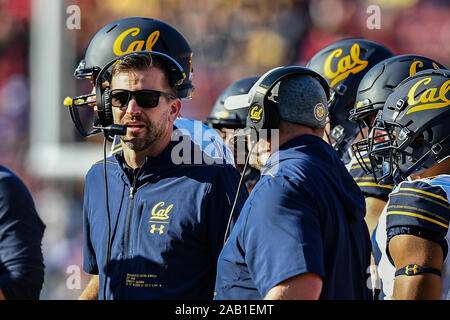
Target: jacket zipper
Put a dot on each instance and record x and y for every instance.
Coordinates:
(129, 213)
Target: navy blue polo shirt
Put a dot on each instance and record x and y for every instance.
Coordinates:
(167, 225)
(21, 232)
(306, 214)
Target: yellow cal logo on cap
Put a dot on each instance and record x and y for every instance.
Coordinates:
(428, 98)
(137, 45)
(255, 113)
(346, 65)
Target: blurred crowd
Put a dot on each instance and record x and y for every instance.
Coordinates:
(231, 39)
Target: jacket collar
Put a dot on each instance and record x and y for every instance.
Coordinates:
(163, 162)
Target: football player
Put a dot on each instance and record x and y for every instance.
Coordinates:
(373, 90)
(376, 85)
(412, 233)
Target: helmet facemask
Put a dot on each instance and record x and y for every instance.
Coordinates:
(396, 151)
(374, 153)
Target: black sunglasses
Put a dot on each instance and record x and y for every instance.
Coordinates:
(144, 98)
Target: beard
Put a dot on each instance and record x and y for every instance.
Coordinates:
(139, 141)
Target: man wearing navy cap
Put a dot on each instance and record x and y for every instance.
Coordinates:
(301, 234)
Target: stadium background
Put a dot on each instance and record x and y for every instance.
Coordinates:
(231, 39)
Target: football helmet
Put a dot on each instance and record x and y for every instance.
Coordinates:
(343, 64)
(125, 36)
(137, 34)
(380, 81)
(412, 132)
(221, 117)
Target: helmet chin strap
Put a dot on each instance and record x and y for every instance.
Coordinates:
(436, 149)
(415, 166)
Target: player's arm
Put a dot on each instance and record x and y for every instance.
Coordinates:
(306, 286)
(2, 296)
(409, 250)
(374, 207)
(91, 290)
(417, 220)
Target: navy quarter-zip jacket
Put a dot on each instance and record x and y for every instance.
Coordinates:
(168, 223)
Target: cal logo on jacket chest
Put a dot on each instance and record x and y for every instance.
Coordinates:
(159, 217)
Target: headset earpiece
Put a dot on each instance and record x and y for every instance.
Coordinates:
(256, 116)
(272, 116)
(107, 106)
(263, 117)
(104, 110)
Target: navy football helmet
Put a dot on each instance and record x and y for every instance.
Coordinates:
(137, 34)
(412, 133)
(221, 117)
(122, 37)
(380, 81)
(343, 64)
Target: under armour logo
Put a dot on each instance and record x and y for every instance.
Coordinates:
(413, 269)
(155, 228)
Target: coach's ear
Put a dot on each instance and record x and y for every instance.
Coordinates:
(174, 109)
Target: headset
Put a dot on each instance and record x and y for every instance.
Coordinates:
(105, 120)
(263, 112)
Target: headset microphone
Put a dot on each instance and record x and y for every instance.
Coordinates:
(113, 129)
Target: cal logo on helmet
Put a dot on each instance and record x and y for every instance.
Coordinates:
(223, 114)
(137, 45)
(348, 64)
(255, 113)
(431, 98)
(418, 63)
